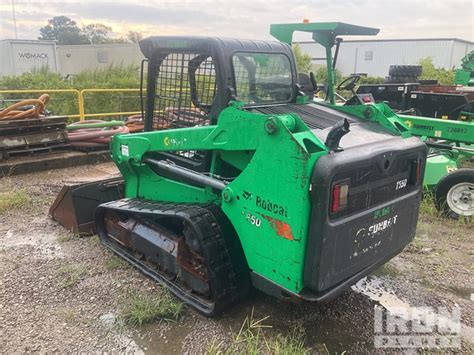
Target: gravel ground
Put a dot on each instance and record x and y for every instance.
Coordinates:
(59, 292)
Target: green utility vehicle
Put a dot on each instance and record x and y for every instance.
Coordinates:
(242, 180)
(465, 75)
(451, 144)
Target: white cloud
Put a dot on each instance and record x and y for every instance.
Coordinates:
(245, 18)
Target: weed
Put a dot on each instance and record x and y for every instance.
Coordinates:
(427, 205)
(287, 345)
(251, 339)
(387, 269)
(64, 238)
(71, 275)
(426, 281)
(13, 200)
(417, 245)
(441, 269)
(138, 308)
(69, 315)
(94, 240)
(114, 263)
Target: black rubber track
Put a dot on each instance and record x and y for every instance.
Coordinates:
(227, 270)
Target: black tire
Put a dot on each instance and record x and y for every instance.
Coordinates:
(405, 70)
(400, 80)
(445, 203)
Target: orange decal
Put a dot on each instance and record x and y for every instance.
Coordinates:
(282, 229)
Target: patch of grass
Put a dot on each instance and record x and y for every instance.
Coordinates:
(416, 245)
(387, 269)
(93, 240)
(69, 315)
(427, 206)
(114, 263)
(441, 269)
(138, 308)
(290, 344)
(426, 281)
(71, 275)
(13, 200)
(251, 339)
(64, 238)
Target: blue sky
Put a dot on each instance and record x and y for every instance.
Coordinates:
(245, 19)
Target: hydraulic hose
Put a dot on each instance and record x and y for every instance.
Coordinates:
(36, 109)
(94, 133)
(135, 123)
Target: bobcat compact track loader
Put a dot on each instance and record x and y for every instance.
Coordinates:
(241, 179)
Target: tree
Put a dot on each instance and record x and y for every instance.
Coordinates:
(429, 72)
(63, 30)
(97, 33)
(303, 60)
(321, 75)
(134, 36)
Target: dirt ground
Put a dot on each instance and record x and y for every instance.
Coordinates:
(63, 293)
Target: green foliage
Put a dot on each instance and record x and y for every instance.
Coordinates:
(303, 60)
(13, 200)
(321, 76)
(114, 263)
(63, 30)
(429, 71)
(97, 33)
(251, 339)
(367, 80)
(70, 275)
(113, 77)
(134, 36)
(138, 308)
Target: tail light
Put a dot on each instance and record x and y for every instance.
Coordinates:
(416, 172)
(340, 191)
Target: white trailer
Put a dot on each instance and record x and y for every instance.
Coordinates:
(20, 56)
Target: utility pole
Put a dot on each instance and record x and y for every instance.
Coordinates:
(14, 19)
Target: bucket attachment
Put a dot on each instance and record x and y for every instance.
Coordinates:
(74, 207)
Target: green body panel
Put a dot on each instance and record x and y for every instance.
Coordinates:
(284, 31)
(465, 75)
(459, 134)
(379, 113)
(441, 129)
(271, 159)
(268, 202)
(438, 167)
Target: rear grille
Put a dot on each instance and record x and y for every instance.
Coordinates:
(315, 116)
